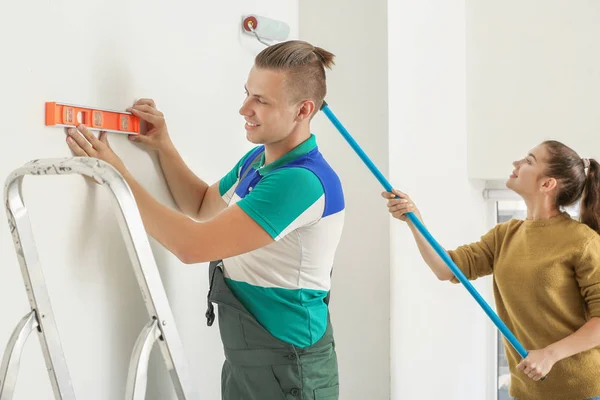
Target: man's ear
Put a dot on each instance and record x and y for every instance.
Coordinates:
(307, 107)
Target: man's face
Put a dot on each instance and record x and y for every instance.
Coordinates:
(269, 113)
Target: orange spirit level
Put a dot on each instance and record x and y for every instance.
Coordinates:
(61, 114)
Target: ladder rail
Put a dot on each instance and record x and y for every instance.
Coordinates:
(9, 369)
(37, 293)
(138, 247)
(138, 366)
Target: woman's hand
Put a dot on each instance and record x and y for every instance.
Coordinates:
(399, 204)
(537, 364)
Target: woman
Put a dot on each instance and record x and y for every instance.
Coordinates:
(546, 272)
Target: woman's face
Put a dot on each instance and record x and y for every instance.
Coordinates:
(528, 177)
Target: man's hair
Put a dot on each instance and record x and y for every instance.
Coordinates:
(304, 66)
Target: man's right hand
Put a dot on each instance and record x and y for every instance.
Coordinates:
(157, 135)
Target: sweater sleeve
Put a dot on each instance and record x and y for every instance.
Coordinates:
(476, 259)
(587, 273)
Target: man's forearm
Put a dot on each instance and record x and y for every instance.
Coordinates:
(167, 226)
(187, 189)
(587, 337)
(195, 242)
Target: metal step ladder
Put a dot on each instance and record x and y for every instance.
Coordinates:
(161, 328)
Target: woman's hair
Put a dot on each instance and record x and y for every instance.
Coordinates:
(577, 178)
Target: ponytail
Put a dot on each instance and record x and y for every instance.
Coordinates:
(590, 202)
(325, 57)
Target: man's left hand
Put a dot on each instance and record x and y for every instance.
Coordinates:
(85, 144)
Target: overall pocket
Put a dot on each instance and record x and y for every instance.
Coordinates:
(330, 393)
(250, 383)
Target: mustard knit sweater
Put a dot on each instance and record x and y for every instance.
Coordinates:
(546, 277)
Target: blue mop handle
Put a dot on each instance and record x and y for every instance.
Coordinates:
(413, 218)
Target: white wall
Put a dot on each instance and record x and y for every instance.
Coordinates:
(193, 60)
(355, 31)
(440, 336)
(534, 74)
(425, 87)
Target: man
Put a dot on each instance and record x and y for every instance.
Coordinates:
(272, 224)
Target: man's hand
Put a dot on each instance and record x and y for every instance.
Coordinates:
(537, 364)
(85, 144)
(157, 135)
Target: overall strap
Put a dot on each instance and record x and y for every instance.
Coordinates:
(210, 310)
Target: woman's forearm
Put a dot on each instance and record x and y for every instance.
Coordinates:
(431, 257)
(585, 338)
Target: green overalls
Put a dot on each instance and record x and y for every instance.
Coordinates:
(259, 366)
